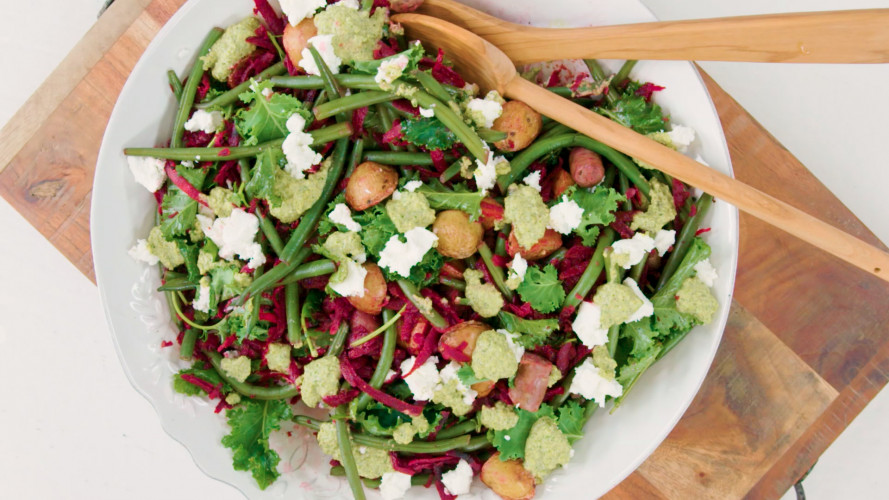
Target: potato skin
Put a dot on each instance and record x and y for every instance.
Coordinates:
(297, 37)
(561, 181)
(370, 184)
(375, 291)
(458, 238)
(550, 242)
(483, 388)
(467, 331)
(509, 478)
(521, 124)
(586, 167)
(405, 5)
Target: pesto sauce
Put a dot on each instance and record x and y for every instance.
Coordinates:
(297, 195)
(231, 47)
(355, 33)
(546, 448)
(166, 251)
(695, 298)
(484, 298)
(660, 212)
(410, 210)
(528, 214)
(493, 358)
(618, 303)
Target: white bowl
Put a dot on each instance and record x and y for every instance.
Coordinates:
(122, 211)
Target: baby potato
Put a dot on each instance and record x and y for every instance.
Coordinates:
(370, 184)
(561, 181)
(415, 341)
(405, 5)
(586, 167)
(375, 291)
(297, 37)
(509, 478)
(362, 323)
(550, 242)
(483, 388)
(458, 238)
(455, 336)
(521, 124)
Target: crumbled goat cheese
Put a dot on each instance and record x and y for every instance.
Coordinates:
(427, 112)
(267, 92)
(353, 284)
(588, 325)
(412, 186)
(297, 148)
(565, 216)
(636, 248)
(400, 257)
(518, 267)
(459, 480)
(148, 171)
(516, 348)
(590, 384)
(297, 10)
(394, 485)
(324, 45)
(141, 253)
(424, 380)
(352, 4)
(663, 240)
(343, 216)
(533, 180)
(449, 373)
(484, 111)
(682, 137)
(706, 272)
(390, 70)
(646, 309)
(486, 173)
(202, 299)
(234, 235)
(204, 121)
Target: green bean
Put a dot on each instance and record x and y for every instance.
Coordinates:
(565, 383)
(175, 84)
(619, 160)
(186, 348)
(451, 172)
(457, 430)
(561, 91)
(613, 335)
(442, 446)
(232, 96)
(355, 156)
(390, 341)
(250, 390)
(599, 77)
(558, 255)
(431, 85)
(176, 284)
(339, 340)
(401, 158)
(331, 86)
(465, 134)
(400, 112)
(491, 135)
(497, 273)
(313, 82)
(271, 234)
(500, 244)
(319, 136)
(256, 304)
(186, 100)
(413, 295)
(459, 285)
(310, 270)
(385, 326)
(387, 120)
(274, 275)
(320, 99)
(683, 241)
(557, 129)
(171, 297)
(477, 443)
(184, 318)
(348, 460)
(592, 272)
(352, 102)
(416, 479)
(623, 73)
(291, 305)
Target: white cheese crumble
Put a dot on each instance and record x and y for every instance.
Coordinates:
(353, 284)
(234, 235)
(459, 480)
(427, 112)
(343, 216)
(352, 4)
(399, 257)
(411, 186)
(267, 92)
(424, 380)
(297, 10)
(565, 216)
(637, 248)
(646, 309)
(706, 272)
(394, 485)
(590, 384)
(486, 173)
(449, 373)
(484, 111)
(663, 240)
(148, 171)
(324, 45)
(518, 267)
(533, 180)
(682, 137)
(390, 70)
(297, 148)
(588, 325)
(517, 349)
(141, 253)
(204, 121)
(202, 298)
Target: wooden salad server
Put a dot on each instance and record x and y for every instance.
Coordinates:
(846, 36)
(483, 63)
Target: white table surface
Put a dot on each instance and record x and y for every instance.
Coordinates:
(72, 427)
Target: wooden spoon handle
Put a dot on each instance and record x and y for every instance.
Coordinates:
(851, 36)
(746, 198)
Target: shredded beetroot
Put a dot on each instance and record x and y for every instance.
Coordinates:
(680, 194)
(261, 39)
(442, 492)
(499, 260)
(554, 77)
(647, 89)
(211, 390)
(406, 106)
(565, 319)
(183, 184)
(702, 231)
(438, 160)
(386, 48)
(565, 355)
(381, 397)
(199, 139)
(577, 81)
(426, 349)
(454, 353)
(166, 343)
(419, 463)
(338, 310)
(573, 265)
(394, 135)
(693, 211)
(480, 266)
(292, 69)
(553, 392)
(358, 117)
(379, 4)
(622, 222)
(446, 74)
(228, 175)
(270, 16)
(203, 88)
(159, 198)
(445, 309)
(251, 66)
(344, 397)
(523, 310)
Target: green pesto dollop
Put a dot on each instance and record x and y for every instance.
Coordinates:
(546, 448)
(355, 32)
(237, 368)
(166, 251)
(554, 376)
(499, 417)
(278, 357)
(410, 210)
(618, 303)
(450, 394)
(661, 210)
(231, 47)
(196, 233)
(604, 362)
(321, 378)
(297, 195)
(327, 439)
(528, 214)
(233, 398)
(207, 261)
(221, 201)
(372, 462)
(405, 431)
(484, 298)
(493, 358)
(342, 246)
(695, 298)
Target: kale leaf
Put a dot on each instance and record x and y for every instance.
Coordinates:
(266, 118)
(598, 210)
(430, 133)
(542, 289)
(534, 332)
(458, 198)
(251, 424)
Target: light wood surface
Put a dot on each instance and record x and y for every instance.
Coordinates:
(484, 64)
(806, 347)
(853, 36)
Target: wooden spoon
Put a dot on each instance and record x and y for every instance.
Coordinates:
(484, 64)
(849, 36)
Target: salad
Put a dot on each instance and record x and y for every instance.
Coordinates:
(344, 223)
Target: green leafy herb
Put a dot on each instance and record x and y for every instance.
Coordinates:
(598, 210)
(251, 424)
(511, 442)
(189, 252)
(207, 374)
(376, 230)
(225, 282)
(424, 272)
(467, 375)
(534, 332)
(571, 420)
(178, 213)
(266, 119)
(542, 289)
(414, 54)
(634, 111)
(194, 175)
(262, 177)
(325, 225)
(458, 198)
(428, 132)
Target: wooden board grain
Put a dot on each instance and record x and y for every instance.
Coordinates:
(806, 348)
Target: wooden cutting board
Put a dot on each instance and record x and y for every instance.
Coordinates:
(807, 341)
